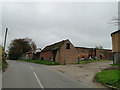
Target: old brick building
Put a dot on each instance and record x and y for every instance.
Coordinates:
(116, 46)
(82, 52)
(64, 52)
(105, 54)
(31, 55)
(94, 53)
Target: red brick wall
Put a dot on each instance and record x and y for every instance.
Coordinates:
(82, 52)
(47, 55)
(106, 54)
(66, 56)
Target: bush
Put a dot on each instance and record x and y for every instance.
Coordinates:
(4, 66)
(3, 63)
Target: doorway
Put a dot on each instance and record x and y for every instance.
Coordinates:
(54, 54)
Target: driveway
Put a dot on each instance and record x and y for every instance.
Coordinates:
(83, 73)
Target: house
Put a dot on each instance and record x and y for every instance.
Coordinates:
(116, 46)
(62, 52)
(31, 55)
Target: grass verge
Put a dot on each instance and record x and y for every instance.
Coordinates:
(45, 62)
(4, 66)
(115, 64)
(109, 77)
(89, 61)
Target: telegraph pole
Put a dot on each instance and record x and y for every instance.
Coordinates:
(5, 38)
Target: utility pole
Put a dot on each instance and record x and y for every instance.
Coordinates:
(5, 38)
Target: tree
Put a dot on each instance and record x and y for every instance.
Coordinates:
(31, 43)
(116, 21)
(20, 46)
(2, 54)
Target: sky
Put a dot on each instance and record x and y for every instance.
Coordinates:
(85, 24)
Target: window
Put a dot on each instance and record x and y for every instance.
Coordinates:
(67, 45)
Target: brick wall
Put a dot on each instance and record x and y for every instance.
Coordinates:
(100, 53)
(82, 52)
(116, 42)
(27, 56)
(66, 56)
(46, 55)
(104, 54)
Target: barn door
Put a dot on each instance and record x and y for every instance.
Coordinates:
(114, 58)
(54, 55)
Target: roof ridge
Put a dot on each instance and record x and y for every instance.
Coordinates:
(54, 46)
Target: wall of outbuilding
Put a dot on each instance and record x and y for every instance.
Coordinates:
(47, 55)
(66, 56)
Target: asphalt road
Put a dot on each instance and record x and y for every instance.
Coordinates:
(29, 75)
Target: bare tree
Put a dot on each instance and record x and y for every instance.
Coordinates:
(116, 21)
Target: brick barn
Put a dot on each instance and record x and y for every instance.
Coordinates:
(105, 54)
(31, 55)
(94, 53)
(62, 52)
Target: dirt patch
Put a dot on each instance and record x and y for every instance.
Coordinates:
(83, 72)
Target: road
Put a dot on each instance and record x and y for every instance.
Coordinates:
(21, 74)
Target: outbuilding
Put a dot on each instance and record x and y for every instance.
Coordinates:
(62, 52)
(116, 46)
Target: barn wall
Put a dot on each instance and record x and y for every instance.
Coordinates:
(67, 56)
(47, 55)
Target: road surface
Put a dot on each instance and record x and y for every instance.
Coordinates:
(21, 74)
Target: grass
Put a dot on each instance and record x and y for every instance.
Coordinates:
(45, 62)
(4, 66)
(109, 77)
(115, 64)
(89, 61)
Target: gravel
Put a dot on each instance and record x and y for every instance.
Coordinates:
(83, 72)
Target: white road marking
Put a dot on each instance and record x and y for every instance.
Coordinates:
(31, 67)
(38, 80)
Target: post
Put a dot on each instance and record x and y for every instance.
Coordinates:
(5, 38)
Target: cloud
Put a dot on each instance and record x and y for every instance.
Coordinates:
(85, 24)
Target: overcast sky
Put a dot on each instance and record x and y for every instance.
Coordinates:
(84, 24)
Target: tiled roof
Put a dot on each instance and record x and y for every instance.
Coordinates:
(115, 32)
(92, 48)
(54, 46)
(81, 48)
